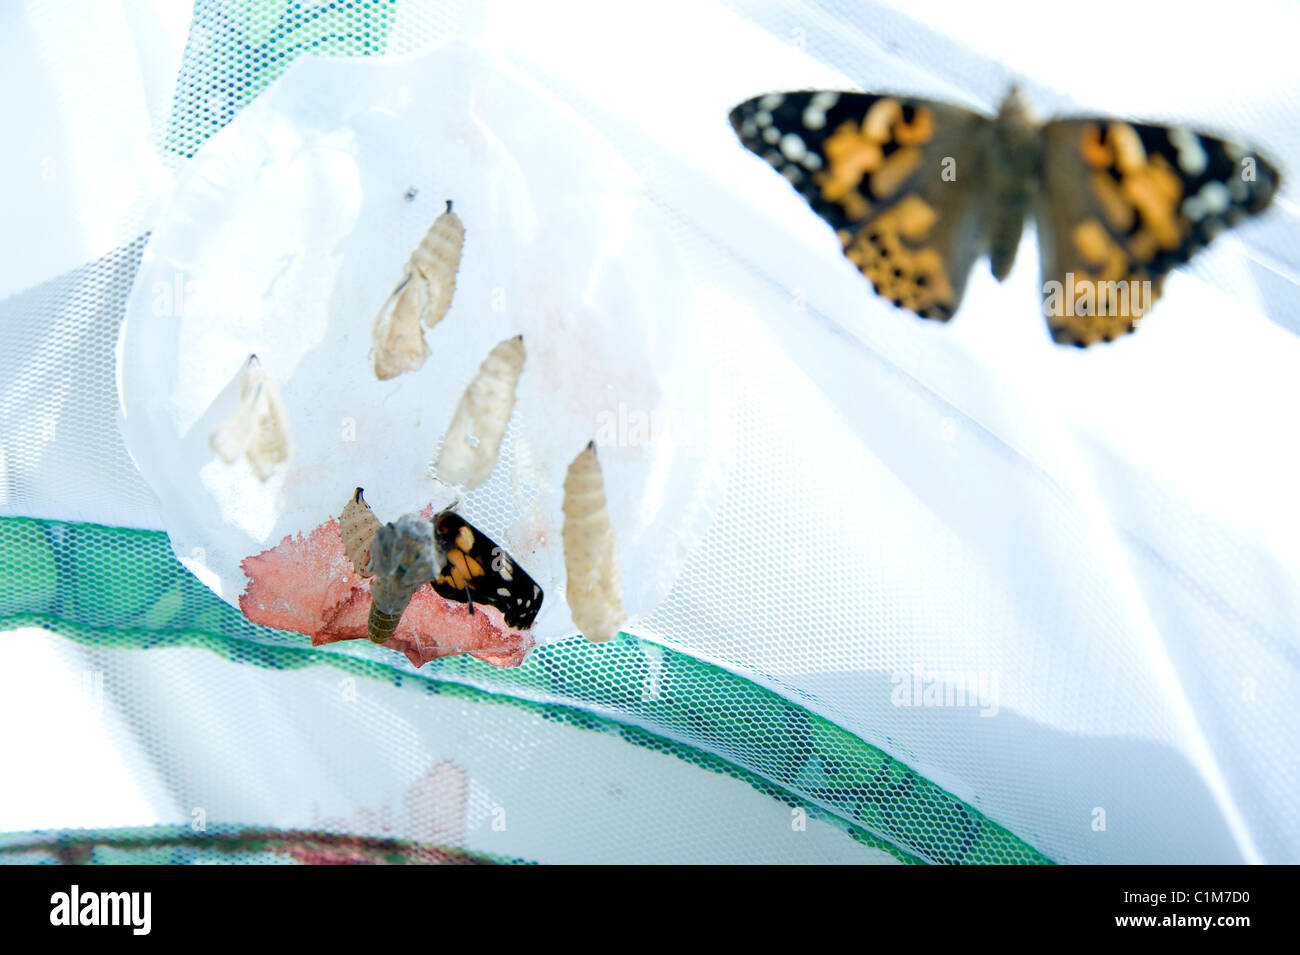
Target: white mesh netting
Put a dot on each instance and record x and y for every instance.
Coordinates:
(1100, 546)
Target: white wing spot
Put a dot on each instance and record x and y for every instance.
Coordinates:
(1192, 209)
(792, 146)
(1216, 197)
(771, 101)
(772, 135)
(1192, 159)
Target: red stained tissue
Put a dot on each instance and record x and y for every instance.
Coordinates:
(307, 585)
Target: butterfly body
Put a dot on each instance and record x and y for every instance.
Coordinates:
(403, 558)
(1016, 163)
(918, 190)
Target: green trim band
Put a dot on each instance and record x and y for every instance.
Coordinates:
(124, 588)
(236, 48)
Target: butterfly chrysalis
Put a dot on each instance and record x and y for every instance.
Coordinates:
(357, 526)
(590, 564)
(423, 295)
(469, 451)
(259, 428)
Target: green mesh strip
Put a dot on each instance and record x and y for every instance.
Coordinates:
(124, 588)
(236, 48)
(179, 845)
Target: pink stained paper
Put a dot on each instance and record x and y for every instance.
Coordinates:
(308, 585)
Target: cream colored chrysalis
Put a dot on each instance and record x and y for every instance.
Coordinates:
(423, 295)
(469, 451)
(357, 526)
(590, 564)
(260, 426)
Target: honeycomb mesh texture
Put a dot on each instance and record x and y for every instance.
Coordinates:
(113, 590)
(708, 685)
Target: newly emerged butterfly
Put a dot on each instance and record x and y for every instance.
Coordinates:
(462, 563)
(469, 451)
(918, 190)
(422, 296)
(399, 558)
(477, 570)
(590, 564)
(259, 428)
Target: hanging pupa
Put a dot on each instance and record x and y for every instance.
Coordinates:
(357, 526)
(259, 428)
(423, 295)
(590, 564)
(473, 440)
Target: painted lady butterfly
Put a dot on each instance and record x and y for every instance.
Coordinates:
(918, 190)
(461, 562)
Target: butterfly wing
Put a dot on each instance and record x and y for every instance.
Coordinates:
(478, 571)
(1121, 205)
(896, 178)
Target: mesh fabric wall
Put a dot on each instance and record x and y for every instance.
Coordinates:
(1105, 542)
